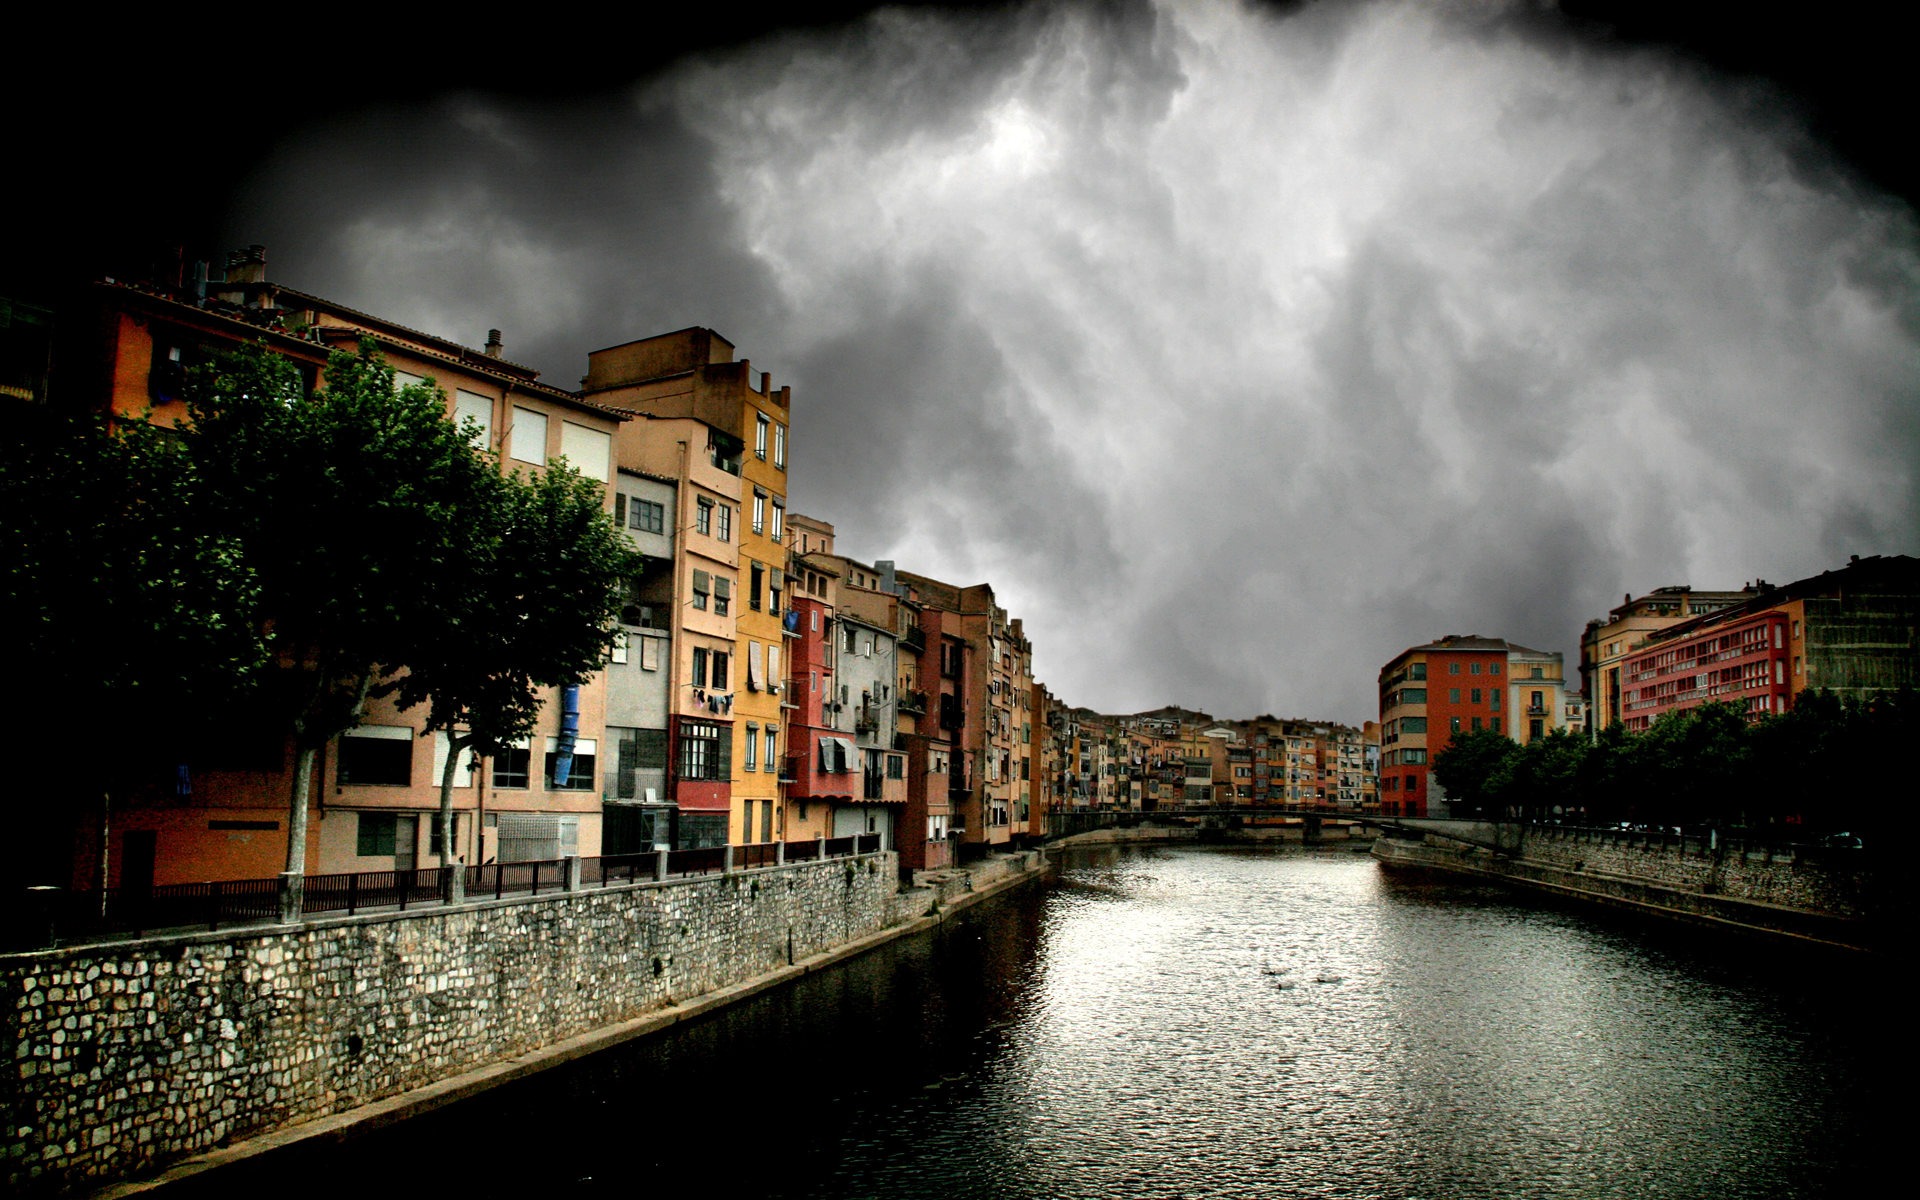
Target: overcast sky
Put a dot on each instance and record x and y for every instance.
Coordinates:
(1238, 348)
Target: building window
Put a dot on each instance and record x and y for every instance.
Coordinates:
(1493, 698)
(720, 670)
(1453, 724)
(1453, 668)
(772, 733)
(580, 775)
(588, 451)
(722, 593)
(779, 515)
(1535, 728)
(470, 406)
(780, 448)
(759, 513)
(700, 746)
(527, 440)
(700, 666)
(760, 435)
(1494, 669)
(1476, 695)
(756, 580)
(1453, 695)
(1417, 671)
(897, 766)
(378, 834)
(510, 769)
(703, 516)
(1473, 668)
(725, 532)
(380, 755)
(753, 745)
(702, 587)
(646, 516)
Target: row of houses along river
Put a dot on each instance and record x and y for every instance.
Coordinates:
(1189, 1021)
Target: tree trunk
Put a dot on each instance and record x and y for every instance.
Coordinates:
(106, 844)
(307, 742)
(293, 878)
(453, 867)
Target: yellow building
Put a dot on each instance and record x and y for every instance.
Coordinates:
(692, 373)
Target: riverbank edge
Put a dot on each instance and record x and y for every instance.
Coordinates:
(1637, 895)
(959, 890)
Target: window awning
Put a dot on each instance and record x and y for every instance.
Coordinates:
(845, 755)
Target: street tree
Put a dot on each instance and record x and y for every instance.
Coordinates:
(348, 507)
(535, 606)
(122, 609)
(1475, 769)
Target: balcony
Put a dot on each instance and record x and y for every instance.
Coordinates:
(913, 704)
(914, 639)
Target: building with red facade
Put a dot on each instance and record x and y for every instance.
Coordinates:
(1850, 631)
(1457, 684)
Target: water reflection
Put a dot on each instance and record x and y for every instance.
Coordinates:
(1208, 1022)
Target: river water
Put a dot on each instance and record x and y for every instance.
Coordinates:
(1200, 1022)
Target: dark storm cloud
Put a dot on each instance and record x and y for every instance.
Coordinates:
(1238, 348)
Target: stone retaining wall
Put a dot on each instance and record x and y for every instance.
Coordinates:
(124, 1056)
(1835, 881)
(1646, 892)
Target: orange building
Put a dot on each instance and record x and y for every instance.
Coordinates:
(1428, 693)
(376, 788)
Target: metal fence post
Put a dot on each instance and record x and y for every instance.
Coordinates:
(780, 853)
(820, 848)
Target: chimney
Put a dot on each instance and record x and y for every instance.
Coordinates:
(766, 382)
(494, 344)
(247, 266)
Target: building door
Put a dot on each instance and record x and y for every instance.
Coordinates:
(406, 830)
(137, 854)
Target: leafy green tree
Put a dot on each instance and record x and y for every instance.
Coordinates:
(1476, 770)
(349, 508)
(535, 606)
(121, 607)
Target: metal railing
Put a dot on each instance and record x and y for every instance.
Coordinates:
(38, 917)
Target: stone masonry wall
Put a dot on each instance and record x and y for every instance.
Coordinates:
(118, 1058)
(1833, 882)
